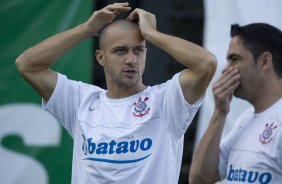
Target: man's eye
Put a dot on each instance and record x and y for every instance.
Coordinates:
(233, 59)
(120, 51)
(139, 50)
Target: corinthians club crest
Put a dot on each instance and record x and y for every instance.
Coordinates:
(267, 134)
(141, 108)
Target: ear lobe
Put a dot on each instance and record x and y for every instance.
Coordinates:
(100, 57)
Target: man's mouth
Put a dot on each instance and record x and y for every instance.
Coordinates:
(130, 72)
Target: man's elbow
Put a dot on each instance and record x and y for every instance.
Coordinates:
(207, 70)
(22, 63)
(210, 65)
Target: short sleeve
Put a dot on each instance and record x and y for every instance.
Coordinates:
(64, 102)
(178, 111)
(228, 140)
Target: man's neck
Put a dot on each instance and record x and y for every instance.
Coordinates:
(270, 95)
(120, 92)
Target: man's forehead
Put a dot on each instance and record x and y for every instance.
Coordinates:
(237, 48)
(235, 44)
(121, 24)
(119, 32)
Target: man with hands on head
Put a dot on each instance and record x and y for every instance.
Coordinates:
(129, 133)
(252, 151)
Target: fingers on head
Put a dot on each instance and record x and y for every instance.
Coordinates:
(135, 14)
(118, 7)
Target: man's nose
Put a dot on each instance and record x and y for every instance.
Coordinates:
(131, 58)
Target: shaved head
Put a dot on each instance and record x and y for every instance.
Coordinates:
(118, 25)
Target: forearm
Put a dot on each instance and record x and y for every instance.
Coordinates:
(200, 62)
(43, 55)
(204, 167)
(187, 53)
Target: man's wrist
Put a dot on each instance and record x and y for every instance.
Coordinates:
(87, 30)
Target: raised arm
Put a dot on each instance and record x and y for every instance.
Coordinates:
(201, 64)
(204, 169)
(34, 63)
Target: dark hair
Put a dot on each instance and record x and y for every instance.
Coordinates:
(261, 37)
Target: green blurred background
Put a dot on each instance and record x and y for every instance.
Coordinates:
(23, 24)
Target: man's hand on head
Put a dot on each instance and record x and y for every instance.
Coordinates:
(146, 21)
(104, 16)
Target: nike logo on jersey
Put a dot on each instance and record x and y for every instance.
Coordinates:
(118, 152)
(91, 108)
(244, 176)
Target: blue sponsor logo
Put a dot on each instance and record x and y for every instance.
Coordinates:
(245, 176)
(119, 150)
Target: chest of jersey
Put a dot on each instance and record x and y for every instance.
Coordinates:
(255, 151)
(123, 133)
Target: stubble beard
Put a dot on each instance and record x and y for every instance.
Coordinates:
(125, 82)
(238, 92)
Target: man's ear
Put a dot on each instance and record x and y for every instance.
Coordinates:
(100, 57)
(265, 60)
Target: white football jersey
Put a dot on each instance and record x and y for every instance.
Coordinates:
(134, 140)
(252, 151)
